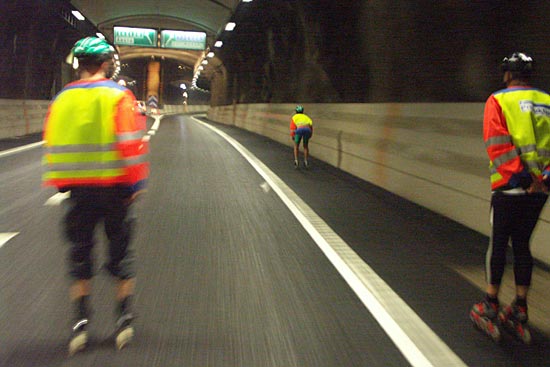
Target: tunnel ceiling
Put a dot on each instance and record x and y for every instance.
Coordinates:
(207, 16)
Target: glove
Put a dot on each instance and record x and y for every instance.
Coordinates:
(522, 179)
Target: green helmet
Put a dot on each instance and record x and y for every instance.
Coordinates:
(299, 109)
(92, 46)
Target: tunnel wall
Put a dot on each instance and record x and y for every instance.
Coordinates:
(415, 150)
(378, 51)
(21, 117)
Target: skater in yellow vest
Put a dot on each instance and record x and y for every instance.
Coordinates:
(94, 149)
(301, 128)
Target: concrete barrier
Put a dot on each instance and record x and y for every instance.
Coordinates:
(21, 117)
(430, 154)
(169, 109)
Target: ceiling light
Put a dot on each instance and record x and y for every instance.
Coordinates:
(218, 44)
(78, 15)
(230, 26)
(210, 54)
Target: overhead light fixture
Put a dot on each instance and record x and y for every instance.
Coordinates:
(201, 67)
(230, 26)
(100, 35)
(78, 15)
(204, 62)
(210, 54)
(247, 1)
(218, 44)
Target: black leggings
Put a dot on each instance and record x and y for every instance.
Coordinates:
(514, 218)
(89, 205)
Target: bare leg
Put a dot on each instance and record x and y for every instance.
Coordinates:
(521, 291)
(492, 290)
(80, 288)
(125, 288)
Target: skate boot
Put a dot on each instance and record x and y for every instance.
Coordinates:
(306, 164)
(124, 332)
(79, 337)
(514, 320)
(296, 165)
(484, 315)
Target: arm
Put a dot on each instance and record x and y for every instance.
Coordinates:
(292, 128)
(500, 147)
(130, 128)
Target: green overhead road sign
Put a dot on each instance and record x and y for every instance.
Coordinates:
(183, 40)
(142, 37)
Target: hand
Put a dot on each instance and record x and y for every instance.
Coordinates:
(522, 179)
(134, 197)
(537, 185)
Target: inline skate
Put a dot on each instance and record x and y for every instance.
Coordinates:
(484, 315)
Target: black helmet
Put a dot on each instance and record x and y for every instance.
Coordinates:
(518, 62)
(299, 109)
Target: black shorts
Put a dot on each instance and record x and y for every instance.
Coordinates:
(87, 207)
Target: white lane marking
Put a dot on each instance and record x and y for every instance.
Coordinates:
(155, 125)
(416, 341)
(8, 152)
(58, 198)
(6, 236)
(265, 186)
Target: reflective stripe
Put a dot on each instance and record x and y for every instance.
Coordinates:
(127, 136)
(503, 139)
(543, 152)
(85, 166)
(78, 148)
(527, 149)
(532, 165)
(89, 166)
(97, 175)
(505, 157)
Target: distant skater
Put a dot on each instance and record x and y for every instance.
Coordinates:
(301, 127)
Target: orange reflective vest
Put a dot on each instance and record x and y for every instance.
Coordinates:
(516, 131)
(93, 137)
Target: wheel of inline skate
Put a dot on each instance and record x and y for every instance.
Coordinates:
(525, 335)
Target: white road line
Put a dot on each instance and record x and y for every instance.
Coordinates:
(155, 125)
(416, 341)
(8, 152)
(6, 236)
(58, 198)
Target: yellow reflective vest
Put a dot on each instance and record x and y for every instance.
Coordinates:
(516, 131)
(93, 137)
